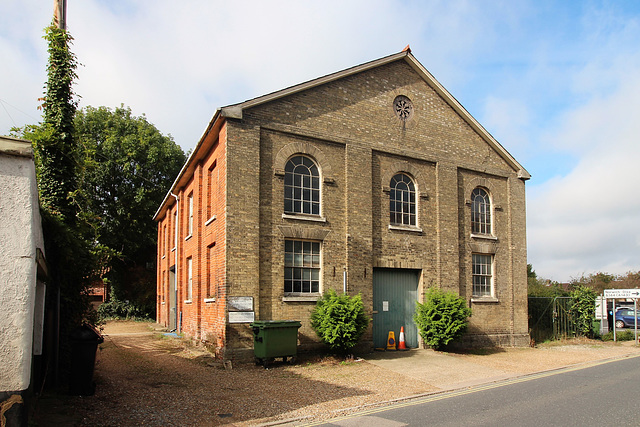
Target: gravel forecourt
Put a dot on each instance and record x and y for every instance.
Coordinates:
(146, 378)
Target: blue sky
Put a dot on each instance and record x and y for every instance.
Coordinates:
(556, 82)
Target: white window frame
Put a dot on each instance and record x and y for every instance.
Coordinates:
(212, 189)
(301, 264)
(293, 187)
(190, 228)
(406, 206)
(212, 279)
(480, 274)
(189, 279)
(481, 212)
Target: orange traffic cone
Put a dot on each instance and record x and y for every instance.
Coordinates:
(401, 343)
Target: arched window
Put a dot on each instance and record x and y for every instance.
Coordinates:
(402, 200)
(301, 186)
(480, 212)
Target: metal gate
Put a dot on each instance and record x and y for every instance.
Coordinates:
(550, 318)
(395, 292)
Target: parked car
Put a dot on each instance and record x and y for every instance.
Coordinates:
(625, 318)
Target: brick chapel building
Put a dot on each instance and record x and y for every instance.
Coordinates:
(374, 180)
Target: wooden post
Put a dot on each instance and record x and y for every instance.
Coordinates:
(60, 14)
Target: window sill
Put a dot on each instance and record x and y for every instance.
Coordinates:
(188, 237)
(162, 303)
(210, 220)
(207, 300)
(164, 256)
(188, 301)
(409, 228)
(484, 300)
(483, 236)
(302, 298)
(301, 217)
(173, 249)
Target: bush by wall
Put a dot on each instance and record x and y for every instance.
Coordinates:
(583, 310)
(339, 320)
(117, 309)
(442, 318)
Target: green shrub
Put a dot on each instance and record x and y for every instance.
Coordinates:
(117, 309)
(583, 310)
(595, 330)
(442, 318)
(626, 335)
(339, 320)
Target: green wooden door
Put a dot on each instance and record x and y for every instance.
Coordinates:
(395, 292)
(172, 300)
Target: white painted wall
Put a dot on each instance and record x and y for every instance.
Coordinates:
(20, 236)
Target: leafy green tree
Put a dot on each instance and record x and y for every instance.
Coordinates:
(127, 166)
(539, 287)
(630, 280)
(546, 288)
(339, 320)
(596, 281)
(442, 318)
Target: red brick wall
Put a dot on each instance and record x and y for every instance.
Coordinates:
(204, 315)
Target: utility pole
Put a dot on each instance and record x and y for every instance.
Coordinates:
(60, 21)
(60, 14)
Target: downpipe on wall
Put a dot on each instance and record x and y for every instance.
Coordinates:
(175, 284)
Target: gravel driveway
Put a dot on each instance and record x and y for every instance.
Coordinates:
(145, 378)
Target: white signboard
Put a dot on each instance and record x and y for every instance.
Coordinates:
(240, 303)
(241, 316)
(622, 293)
(385, 305)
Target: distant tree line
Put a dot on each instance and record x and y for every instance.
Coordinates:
(581, 293)
(598, 282)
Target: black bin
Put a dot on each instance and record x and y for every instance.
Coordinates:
(84, 345)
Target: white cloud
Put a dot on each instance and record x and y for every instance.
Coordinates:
(588, 219)
(509, 118)
(23, 63)
(555, 83)
(177, 63)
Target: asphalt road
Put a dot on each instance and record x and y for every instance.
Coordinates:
(602, 395)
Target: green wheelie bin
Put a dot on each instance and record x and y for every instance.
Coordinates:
(275, 338)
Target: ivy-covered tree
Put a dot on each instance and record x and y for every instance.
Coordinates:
(54, 145)
(127, 166)
(70, 258)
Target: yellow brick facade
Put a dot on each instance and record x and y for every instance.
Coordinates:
(346, 123)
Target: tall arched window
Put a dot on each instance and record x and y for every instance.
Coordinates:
(301, 186)
(402, 200)
(480, 212)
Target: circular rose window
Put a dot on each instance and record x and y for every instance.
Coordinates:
(403, 107)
